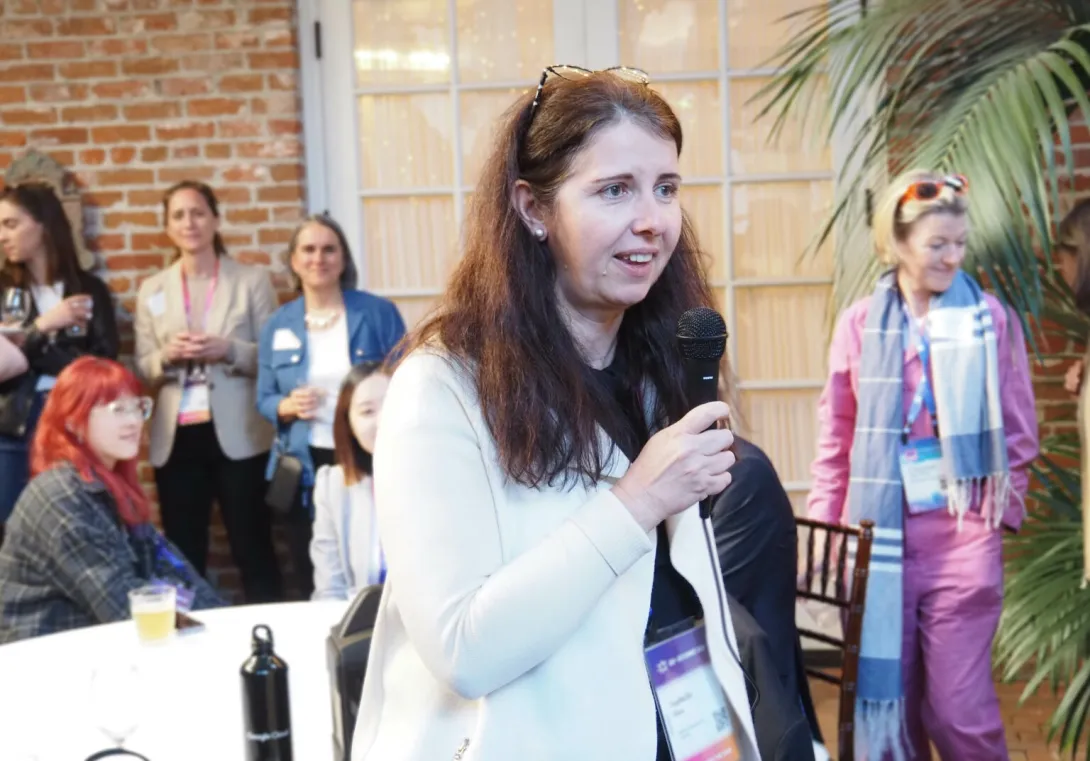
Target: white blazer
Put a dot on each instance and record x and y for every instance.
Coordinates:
(512, 620)
(344, 547)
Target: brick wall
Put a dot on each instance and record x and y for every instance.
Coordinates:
(134, 95)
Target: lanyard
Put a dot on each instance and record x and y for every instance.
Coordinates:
(207, 298)
(923, 395)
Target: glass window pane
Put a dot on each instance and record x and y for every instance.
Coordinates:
(401, 42)
(414, 308)
(409, 243)
(757, 29)
(697, 107)
(504, 40)
(766, 247)
(782, 333)
(670, 35)
(784, 425)
(480, 115)
(704, 206)
(796, 150)
(406, 141)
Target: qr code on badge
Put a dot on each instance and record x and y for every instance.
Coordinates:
(722, 719)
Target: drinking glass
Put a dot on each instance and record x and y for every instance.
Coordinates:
(117, 698)
(16, 306)
(153, 609)
(80, 329)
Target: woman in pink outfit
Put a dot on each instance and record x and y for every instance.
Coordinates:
(927, 425)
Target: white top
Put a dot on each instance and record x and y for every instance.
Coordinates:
(327, 354)
(45, 298)
(511, 624)
(190, 706)
(345, 546)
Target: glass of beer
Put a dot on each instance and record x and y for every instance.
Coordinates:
(153, 610)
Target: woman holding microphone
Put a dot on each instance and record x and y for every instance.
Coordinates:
(536, 473)
(64, 312)
(306, 350)
(197, 324)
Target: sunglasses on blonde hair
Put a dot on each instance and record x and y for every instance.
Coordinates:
(929, 190)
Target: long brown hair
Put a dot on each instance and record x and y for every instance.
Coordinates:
(209, 197)
(62, 262)
(499, 316)
(1073, 239)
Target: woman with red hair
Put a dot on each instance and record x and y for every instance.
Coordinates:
(81, 535)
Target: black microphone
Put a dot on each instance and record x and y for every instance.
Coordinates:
(702, 338)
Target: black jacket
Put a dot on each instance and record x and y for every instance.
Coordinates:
(48, 354)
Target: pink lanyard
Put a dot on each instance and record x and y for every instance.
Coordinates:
(207, 298)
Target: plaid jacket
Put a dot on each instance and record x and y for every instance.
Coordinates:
(67, 560)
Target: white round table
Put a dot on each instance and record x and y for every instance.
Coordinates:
(194, 704)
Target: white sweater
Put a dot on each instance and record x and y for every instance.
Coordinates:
(512, 621)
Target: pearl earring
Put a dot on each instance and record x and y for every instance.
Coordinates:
(540, 233)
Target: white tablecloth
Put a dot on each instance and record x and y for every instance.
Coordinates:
(194, 704)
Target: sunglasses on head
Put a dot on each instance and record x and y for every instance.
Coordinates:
(928, 190)
(575, 73)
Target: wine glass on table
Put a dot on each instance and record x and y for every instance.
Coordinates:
(118, 694)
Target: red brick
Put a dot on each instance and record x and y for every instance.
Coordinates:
(116, 219)
(259, 258)
(217, 150)
(86, 6)
(122, 155)
(182, 43)
(102, 112)
(128, 88)
(88, 69)
(102, 198)
(149, 66)
(289, 214)
(152, 111)
(117, 46)
(190, 151)
(234, 194)
(87, 26)
(27, 72)
(240, 128)
(23, 28)
(145, 197)
(12, 94)
(287, 59)
(28, 116)
(135, 261)
(12, 139)
(190, 131)
(237, 40)
(60, 136)
(153, 153)
(125, 177)
(267, 15)
(206, 19)
(241, 83)
(273, 236)
(280, 193)
(236, 239)
(121, 133)
(246, 173)
(184, 86)
(171, 175)
(119, 284)
(149, 241)
(108, 242)
(251, 216)
(92, 157)
(53, 50)
(279, 148)
(11, 52)
(282, 80)
(283, 103)
(285, 126)
(149, 22)
(215, 107)
(280, 38)
(213, 63)
(287, 173)
(6, 157)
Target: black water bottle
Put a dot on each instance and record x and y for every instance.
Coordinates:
(265, 703)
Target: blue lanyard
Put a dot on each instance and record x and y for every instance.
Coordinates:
(923, 395)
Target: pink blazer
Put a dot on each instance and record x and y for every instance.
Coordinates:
(836, 412)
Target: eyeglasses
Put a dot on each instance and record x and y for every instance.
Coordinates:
(575, 73)
(141, 407)
(928, 190)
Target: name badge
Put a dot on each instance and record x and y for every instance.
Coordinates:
(921, 472)
(690, 699)
(195, 406)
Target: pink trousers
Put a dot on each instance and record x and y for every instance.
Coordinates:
(953, 596)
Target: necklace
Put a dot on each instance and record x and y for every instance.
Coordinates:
(321, 320)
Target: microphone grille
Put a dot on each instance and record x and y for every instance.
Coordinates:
(702, 334)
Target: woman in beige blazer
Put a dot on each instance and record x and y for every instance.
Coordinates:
(197, 325)
(1073, 245)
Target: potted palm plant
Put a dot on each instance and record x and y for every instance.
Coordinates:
(994, 90)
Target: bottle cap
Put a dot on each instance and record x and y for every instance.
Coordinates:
(262, 642)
